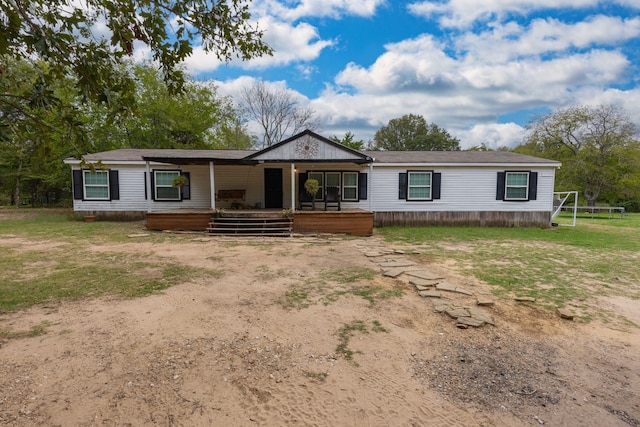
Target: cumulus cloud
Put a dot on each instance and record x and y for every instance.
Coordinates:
(463, 13)
(316, 8)
(291, 44)
(546, 36)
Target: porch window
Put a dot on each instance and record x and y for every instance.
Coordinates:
(516, 186)
(96, 185)
(318, 176)
(350, 186)
(164, 189)
(419, 186)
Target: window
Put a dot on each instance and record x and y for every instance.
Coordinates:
(164, 189)
(350, 186)
(419, 186)
(516, 186)
(96, 185)
(318, 176)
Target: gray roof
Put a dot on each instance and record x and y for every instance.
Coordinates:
(139, 154)
(455, 157)
(381, 157)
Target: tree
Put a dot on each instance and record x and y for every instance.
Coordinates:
(90, 39)
(197, 118)
(277, 112)
(349, 141)
(597, 146)
(411, 132)
(35, 133)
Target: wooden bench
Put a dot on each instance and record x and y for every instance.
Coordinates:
(230, 195)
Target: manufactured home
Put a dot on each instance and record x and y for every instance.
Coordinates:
(232, 190)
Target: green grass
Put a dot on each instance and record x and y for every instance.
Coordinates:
(557, 266)
(348, 330)
(55, 262)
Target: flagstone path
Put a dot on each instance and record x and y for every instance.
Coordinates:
(462, 305)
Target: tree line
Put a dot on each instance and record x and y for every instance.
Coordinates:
(68, 87)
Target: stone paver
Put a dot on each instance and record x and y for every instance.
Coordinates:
(454, 302)
(393, 272)
(429, 294)
(397, 264)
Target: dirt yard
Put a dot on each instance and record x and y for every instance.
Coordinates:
(278, 339)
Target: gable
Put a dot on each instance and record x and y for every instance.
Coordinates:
(309, 147)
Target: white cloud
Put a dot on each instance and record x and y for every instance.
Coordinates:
(463, 13)
(316, 8)
(290, 43)
(512, 40)
(492, 135)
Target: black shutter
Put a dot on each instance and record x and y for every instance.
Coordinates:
(114, 185)
(186, 189)
(153, 186)
(402, 185)
(77, 184)
(302, 178)
(500, 186)
(436, 179)
(533, 185)
(146, 196)
(362, 186)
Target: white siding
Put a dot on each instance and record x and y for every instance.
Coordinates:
(317, 150)
(132, 191)
(462, 189)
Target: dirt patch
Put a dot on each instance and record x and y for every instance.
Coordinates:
(224, 349)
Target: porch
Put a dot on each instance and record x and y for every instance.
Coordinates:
(250, 222)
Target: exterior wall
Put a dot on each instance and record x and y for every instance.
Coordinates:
(131, 180)
(463, 189)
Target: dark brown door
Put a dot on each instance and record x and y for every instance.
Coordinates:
(273, 188)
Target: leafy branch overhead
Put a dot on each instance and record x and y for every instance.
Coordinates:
(90, 38)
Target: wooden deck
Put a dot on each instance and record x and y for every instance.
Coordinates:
(355, 222)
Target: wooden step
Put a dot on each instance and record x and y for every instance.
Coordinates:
(250, 226)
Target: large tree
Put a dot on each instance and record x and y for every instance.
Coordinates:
(197, 118)
(277, 112)
(35, 133)
(412, 133)
(597, 146)
(89, 39)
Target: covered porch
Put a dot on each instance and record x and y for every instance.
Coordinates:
(356, 222)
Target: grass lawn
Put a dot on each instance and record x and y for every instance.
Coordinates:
(559, 266)
(46, 256)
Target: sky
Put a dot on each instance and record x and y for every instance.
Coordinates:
(482, 69)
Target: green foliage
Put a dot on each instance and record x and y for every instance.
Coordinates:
(412, 133)
(65, 36)
(312, 186)
(197, 118)
(598, 148)
(349, 141)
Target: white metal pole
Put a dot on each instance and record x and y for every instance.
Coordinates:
(212, 184)
(149, 189)
(293, 187)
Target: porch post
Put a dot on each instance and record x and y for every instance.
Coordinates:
(370, 185)
(149, 189)
(293, 187)
(212, 184)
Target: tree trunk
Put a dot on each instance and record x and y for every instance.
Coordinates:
(17, 192)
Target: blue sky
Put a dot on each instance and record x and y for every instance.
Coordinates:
(480, 69)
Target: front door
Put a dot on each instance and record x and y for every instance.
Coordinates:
(273, 188)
